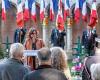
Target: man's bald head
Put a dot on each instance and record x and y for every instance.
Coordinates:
(44, 54)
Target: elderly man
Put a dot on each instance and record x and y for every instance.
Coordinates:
(45, 71)
(95, 71)
(13, 68)
(86, 74)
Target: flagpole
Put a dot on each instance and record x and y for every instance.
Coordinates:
(45, 29)
(69, 35)
(68, 25)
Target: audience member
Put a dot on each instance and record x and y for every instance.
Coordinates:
(95, 71)
(59, 61)
(13, 68)
(45, 71)
(88, 61)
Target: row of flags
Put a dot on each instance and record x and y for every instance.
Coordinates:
(93, 15)
(55, 6)
(5, 7)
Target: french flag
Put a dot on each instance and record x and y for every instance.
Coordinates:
(55, 5)
(60, 4)
(59, 19)
(84, 11)
(77, 11)
(93, 15)
(5, 6)
(26, 11)
(51, 11)
(3, 11)
(66, 9)
(33, 12)
(42, 9)
(19, 17)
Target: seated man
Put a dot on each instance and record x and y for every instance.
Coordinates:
(45, 71)
(13, 68)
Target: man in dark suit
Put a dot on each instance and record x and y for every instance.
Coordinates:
(61, 40)
(19, 35)
(57, 37)
(88, 40)
(54, 36)
(45, 71)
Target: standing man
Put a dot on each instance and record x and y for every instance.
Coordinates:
(45, 71)
(57, 37)
(19, 35)
(13, 68)
(61, 39)
(54, 36)
(88, 40)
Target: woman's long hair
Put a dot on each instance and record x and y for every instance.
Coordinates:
(59, 58)
(31, 30)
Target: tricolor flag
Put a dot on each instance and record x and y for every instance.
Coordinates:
(5, 6)
(51, 11)
(81, 2)
(3, 10)
(77, 11)
(60, 4)
(19, 17)
(33, 12)
(84, 11)
(70, 2)
(55, 5)
(93, 16)
(42, 9)
(66, 9)
(59, 19)
(26, 11)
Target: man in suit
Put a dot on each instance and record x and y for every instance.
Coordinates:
(44, 70)
(54, 36)
(19, 35)
(57, 37)
(88, 40)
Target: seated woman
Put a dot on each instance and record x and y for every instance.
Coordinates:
(33, 42)
(59, 61)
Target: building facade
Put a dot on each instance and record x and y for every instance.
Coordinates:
(7, 29)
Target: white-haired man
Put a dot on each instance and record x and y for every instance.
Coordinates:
(45, 71)
(86, 74)
(95, 71)
(13, 68)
